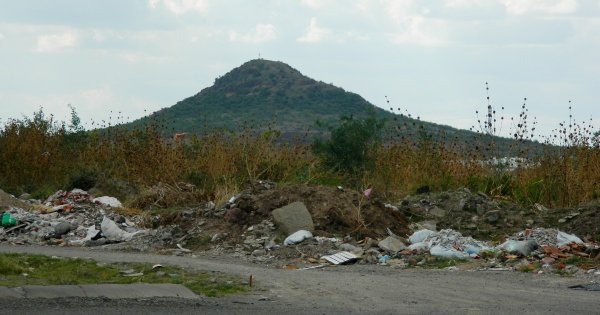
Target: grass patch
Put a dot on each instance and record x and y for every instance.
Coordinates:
(435, 262)
(20, 269)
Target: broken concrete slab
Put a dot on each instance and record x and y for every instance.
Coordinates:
(292, 218)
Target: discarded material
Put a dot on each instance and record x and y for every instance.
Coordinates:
(297, 237)
(340, 258)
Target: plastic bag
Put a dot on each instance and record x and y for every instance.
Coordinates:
(297, 237)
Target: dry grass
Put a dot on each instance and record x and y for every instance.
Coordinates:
(40, 156)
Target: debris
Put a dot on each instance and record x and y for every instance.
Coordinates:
(420, 236)
(297, 237)
(185, 250)
(7, 221)
(523, 248)
(108, 201)
(340, 258)
(112, 232)
(391, 244)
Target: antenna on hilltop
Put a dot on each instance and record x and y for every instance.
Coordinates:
(259, 55)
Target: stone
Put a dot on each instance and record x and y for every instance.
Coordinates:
(259, 252)
(391, 244)
(25, 196)
(292, 218)
(492, 216)
(437, 212)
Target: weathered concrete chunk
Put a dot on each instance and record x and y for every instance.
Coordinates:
(292, 218)
(391, 244)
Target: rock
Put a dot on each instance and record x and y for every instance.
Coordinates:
(292, 218)
(492, 216)
(25, 196)
(259, 252)
(62, 228)
(391, 244)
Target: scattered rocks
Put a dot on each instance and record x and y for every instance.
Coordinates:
(392, 245)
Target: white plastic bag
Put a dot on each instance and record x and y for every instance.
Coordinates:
(297, 237)
(420, 236)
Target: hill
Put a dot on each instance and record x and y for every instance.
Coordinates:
(262, 94)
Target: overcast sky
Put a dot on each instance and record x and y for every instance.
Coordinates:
(431, 58)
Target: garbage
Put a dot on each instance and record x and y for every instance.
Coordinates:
(112, 232)
(297, 237)
(419, 236)
(340, 258)
(108, 201)
(7, 221)
(447, 252)
(523, 248)
(563, 238)
(384, 259)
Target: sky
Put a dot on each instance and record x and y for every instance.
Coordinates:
(118, 60)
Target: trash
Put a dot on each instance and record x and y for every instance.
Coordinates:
(297, 237)
(112, 232)
(340, 258)
(419, 236)
(446, 252)
(108, 201)
(7, 221)
(384, 259)
(185, 250)
(523, 248)
(563, 238)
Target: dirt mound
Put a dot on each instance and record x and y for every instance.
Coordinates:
(334, 211)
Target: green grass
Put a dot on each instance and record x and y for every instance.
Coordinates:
(21, 269)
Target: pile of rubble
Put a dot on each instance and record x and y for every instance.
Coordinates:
(68, 218)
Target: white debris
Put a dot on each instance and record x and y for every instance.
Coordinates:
(297, 237)
(563, 238)
(108, 201)
(112, 232)
(420, 236)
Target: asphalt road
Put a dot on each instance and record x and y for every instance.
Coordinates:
(354, 289)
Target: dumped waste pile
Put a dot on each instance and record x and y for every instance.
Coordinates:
(302, 227)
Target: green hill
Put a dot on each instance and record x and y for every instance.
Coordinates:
(262, 94)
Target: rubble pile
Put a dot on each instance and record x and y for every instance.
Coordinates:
(68, 218)
(302, 227)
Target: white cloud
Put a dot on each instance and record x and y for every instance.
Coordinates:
(314, 33)
(520, 7)
(95, 98)
(135, 57)
(315, 4)
(262, 33)
(179, 7)
(416, 31)
(461, 3)
(55, 43)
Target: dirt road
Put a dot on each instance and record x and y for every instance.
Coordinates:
(353, 289)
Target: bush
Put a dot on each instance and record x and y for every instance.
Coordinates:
(351, 146)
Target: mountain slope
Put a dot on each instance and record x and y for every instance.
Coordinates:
(262, 94)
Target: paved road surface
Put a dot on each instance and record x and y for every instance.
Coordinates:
(354, 289)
